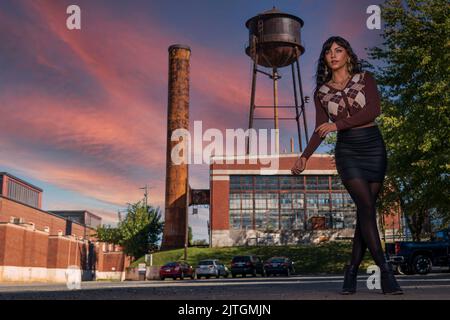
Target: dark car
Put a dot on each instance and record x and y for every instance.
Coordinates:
(279, 265)
(249, 264)
(211, 268)
(176, 270)
(419, 257)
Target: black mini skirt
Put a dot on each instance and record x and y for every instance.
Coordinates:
(361, 153)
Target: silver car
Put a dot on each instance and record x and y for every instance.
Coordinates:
(211, 268)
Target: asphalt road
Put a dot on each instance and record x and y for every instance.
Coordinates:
(430, 287)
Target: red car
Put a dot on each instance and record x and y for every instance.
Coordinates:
(176, 270)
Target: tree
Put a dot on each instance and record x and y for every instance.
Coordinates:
(190, 236)
(138, 233)
(414, 73)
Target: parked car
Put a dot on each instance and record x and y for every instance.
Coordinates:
(249, 264)
(418, 257)
(279, 265)
(211, 268)
(176, 270)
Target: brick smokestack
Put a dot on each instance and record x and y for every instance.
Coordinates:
(175, 228)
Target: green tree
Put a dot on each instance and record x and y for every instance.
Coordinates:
(414, 74)
(138, 233)
(190, 236)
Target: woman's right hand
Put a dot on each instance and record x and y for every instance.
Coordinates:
(299, 166)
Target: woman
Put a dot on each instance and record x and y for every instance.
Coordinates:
(348, 97)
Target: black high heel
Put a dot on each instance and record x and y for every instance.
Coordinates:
(389, 284)
(350, 279)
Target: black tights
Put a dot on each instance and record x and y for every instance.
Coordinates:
(364, 195)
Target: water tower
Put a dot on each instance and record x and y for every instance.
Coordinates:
(274, 42)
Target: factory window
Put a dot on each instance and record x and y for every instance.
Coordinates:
(336, 183)
(312, 201)
(282, 202)
(247, 221)
(323, 182)
(22, 194)
(235, 201)
(272, 200)
(348, 201)
(235, 219)
(324, 201)
(272, 219)
(298, 200)
(260, 201)
(337, 200)
(311, 182)
(299, 219)
(241, 182)
(286, 200)
(266, 183)
(287, 219)
(247, 201)
(260, 215)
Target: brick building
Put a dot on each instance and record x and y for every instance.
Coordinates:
(81, 216)
(254, 204)
(37, 245)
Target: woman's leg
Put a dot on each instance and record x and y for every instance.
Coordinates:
(359, 246)
(361, 193)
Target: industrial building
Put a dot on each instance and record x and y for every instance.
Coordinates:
(251, 205)
(81, 216)
(37, 245)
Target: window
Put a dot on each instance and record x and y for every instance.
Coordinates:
(282, 202)
(298, 200)
(312, 201)
(336, 183)
(323, 182)
(337, 200)
(311, 182)
(22, 194)
(286, 200)
(247, 221)
(266, 183)
(348, 201)
(287, 219)
(323, 201)
(235, 219)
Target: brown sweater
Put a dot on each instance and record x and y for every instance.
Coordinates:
(357, 104)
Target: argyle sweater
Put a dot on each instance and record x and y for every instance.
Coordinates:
(356, 104)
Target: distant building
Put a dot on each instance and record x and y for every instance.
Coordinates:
(81, 216)
(38, 245)
(20, 191)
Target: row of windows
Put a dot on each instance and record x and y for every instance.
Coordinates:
(294, 200)
(317, 182)
(23, 194)
(291, 219)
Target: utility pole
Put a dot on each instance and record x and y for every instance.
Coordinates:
(146, 196)
(186, 236)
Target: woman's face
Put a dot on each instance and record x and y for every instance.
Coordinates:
(336, 57)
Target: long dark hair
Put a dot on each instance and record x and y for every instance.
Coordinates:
(356, 65)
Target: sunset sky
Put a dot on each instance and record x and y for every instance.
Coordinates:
(83, 113)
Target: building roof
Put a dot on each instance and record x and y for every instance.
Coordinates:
(76, 212)
(20, 180)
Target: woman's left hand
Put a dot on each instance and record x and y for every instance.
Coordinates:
(325, 128)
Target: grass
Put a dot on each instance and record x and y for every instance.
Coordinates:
(322, 258)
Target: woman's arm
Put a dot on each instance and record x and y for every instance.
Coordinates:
(316, 140)
(371, 110)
